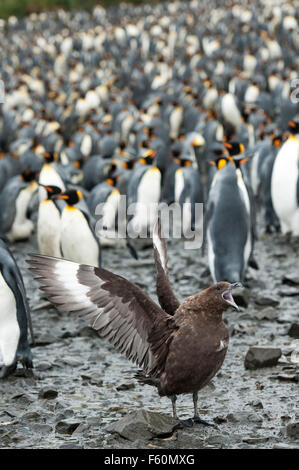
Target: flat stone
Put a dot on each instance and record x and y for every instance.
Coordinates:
(268, 313)
(293, 430)
(244, 417)
(42, 366)
(45, 339)
(291, 279)
(143, 425)
(288, 377)
(266, 301)
(125, 386)
(294, 330)
(31, 416)
(48, 393)
(66, 426)
(258, 357)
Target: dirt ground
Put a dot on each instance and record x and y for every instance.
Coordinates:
(80, 385)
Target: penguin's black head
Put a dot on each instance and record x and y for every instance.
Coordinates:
(52, 191)
(148, 157)
(294, 125)
(182, 162)
(277, 140)
(112, 180)
(28, 175)
(234, 148)
(51, 157)
(72, 197)
(78, 163)
(129, 164)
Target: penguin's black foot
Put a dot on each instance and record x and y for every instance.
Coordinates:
(5, 371)
(184, 423)
(198, 420)
(26, 361)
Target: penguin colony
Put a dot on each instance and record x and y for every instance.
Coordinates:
(177, 102)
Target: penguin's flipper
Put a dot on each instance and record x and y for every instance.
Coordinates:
(21, 287)
(92, 225)
(166, 296)
(208, 216)
(252, 263)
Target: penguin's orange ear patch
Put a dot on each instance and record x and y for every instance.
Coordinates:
(277, 142)
(244, 160)
(211, 162)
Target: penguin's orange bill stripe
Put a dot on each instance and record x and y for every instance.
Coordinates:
(292, 124)
(227, 145)
(244, 160)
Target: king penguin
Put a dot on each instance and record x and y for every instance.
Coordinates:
(14, 203)
(78, 239)
(48, 223)
(285, 181)
(14, 314)
(144, 190)
(228, 222)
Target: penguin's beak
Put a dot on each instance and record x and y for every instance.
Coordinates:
(227, 294)
(62, 196)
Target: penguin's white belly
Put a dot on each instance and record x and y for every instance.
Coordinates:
(110, 209)
(245, 197)
(175, 121)
(126, 126)
(284, 186)
(148, 196)
(48, 229)
(179, 184)
(77, 241)
(9, 327)
(230, 111)
(86, 145)
(22, 227)
(211, 255)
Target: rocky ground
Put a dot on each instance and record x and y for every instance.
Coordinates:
(82, 393)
